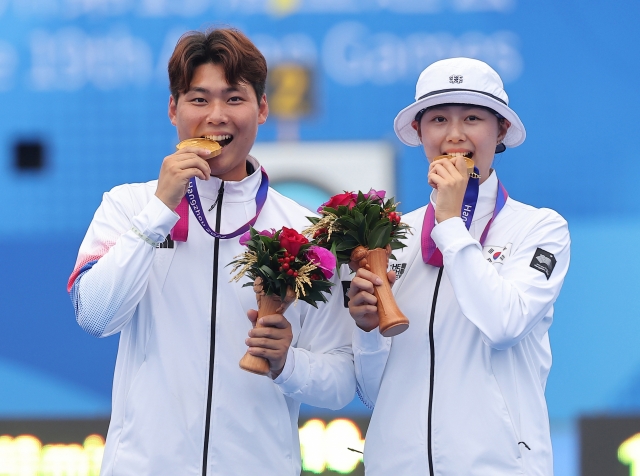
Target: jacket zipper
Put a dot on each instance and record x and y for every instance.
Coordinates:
(212, 351)
(432, 370)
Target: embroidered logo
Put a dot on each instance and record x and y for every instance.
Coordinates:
(543, 261)
(455, 79)
(399, 269)
(167, 243)
(496, 254)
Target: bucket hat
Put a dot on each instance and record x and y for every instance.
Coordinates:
(459, 81)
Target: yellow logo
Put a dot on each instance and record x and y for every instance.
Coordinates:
(283, 7)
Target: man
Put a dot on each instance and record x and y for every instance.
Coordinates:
(461, 392)
(181, 404)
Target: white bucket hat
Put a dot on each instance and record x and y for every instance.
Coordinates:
(459, 81)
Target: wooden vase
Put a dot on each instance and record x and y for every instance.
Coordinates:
(392, 320)
(267, 304)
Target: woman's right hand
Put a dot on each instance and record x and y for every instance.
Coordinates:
(362, 300)
(176, 171)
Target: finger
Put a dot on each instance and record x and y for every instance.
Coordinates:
(274, 320)
(252, 314)
(391, 276)
(363, 298)
(263, 343)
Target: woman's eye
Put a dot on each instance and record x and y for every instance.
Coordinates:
(439, 119)
(473, 118)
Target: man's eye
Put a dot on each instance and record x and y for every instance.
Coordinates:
(199, 100)
(235, 99)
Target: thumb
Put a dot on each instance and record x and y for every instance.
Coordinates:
(252, 314)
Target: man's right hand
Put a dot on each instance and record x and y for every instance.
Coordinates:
(362, 300)
(176, 171)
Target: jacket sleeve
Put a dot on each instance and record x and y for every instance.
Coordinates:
(114, 261)
(322, 373)
(506, 306)
(370, 353)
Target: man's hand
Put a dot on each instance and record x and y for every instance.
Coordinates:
(176, 171)
(362, 301)
(270, 339)
(449, 178)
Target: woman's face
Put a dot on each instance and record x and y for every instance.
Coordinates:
(461, 128)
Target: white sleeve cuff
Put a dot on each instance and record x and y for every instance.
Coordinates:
(367, 342)
(156, 220)
(287, 370)
(451, 235)
(299, 373)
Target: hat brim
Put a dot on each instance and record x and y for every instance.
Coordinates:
(408, 135)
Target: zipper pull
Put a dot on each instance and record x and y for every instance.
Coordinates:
(219, 197)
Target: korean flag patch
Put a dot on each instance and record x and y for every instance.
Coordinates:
(543, 261)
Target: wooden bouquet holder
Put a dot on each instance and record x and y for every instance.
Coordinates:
(267, 304)
(392, 320)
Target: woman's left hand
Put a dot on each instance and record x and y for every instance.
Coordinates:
(449, 178)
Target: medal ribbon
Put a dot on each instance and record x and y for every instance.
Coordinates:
(192, 200)
(430, 253)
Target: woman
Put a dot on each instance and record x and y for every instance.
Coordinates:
(462, 390)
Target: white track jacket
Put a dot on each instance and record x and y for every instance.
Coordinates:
(461, 392)
(181, 404)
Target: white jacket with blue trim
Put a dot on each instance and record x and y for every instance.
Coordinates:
(161, 299)
(461, 392)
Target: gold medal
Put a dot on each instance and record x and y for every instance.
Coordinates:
(211, 145)
(469, 162)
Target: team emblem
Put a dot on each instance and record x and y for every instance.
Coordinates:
(543, 261)
(455, 79)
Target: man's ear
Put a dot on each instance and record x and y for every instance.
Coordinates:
(263, 109)
(172, 110)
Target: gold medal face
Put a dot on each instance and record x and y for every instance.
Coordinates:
(470, 163)
(202, 143)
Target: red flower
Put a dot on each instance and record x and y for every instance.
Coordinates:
(346, 199)
(291, 240)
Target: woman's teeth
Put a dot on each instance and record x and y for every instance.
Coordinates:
(461, 154)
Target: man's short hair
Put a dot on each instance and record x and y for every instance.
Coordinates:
(241, 61)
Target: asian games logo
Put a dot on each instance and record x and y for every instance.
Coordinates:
(455, 79)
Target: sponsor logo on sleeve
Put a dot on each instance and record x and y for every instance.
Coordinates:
(496, 254)
(544, 262)
(167, 243)
(345, 289)
(399, 268)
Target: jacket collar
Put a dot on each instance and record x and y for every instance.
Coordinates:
(244, 190)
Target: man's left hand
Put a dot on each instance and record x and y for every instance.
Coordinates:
(271, 339)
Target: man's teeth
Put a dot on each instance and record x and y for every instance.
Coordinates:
(216, 138)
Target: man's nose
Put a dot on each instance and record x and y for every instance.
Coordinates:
(217, 113)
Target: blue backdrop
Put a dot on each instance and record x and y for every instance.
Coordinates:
(88, 79)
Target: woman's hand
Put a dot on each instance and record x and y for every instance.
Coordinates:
(362, 301)
(449, 178)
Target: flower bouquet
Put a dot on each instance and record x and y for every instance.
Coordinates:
(283, 266)
(362, 230)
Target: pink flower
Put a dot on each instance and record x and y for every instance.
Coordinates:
(247, 236)
(323, 259)
(375, 194)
